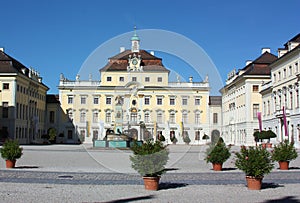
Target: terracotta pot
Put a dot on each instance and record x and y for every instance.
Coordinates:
(10, 163)
(151, 183)
(217, 166)
(264, 145)
(269, 145)
(284, 165)
(254, 183)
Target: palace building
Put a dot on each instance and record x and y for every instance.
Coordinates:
(280, 96)
(22, 100)
(241, 99)
(135, 97)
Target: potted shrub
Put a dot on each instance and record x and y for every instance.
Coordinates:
(149, 160)
(264, 135)
(187, 139)
(174, 140)
(284, 152)
(11, 151)
(161, 138)
(217, 154)
(255, 162)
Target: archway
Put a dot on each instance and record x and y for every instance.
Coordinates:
(215, 135)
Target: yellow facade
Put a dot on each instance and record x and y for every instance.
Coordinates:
(23, 102)
(135, 97)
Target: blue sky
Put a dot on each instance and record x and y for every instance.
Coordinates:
(57, 36)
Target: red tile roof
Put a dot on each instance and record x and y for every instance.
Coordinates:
(260, 65)
(149, 62)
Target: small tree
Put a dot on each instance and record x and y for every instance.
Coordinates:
(217, 153)
(187, 139)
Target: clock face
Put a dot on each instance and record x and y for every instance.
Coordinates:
(134, 61)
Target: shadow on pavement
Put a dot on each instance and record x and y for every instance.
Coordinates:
(229, 169)
(168, 185)
(26, 167)
(290, 199)
(132, 199)
(270, 186)
(293, 168)
(171, 169)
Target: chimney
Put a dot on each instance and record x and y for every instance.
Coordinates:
(191, 78)
(152, 53)
(2, 49)
(263, 50)
(122, 49)
(248, 62)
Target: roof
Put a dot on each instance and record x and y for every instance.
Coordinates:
(260, 65)
(52, 98)
(149, 62)
(215, 100)
(9, 64)
(294, 39)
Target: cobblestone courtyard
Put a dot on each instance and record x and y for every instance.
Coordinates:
(78, 173)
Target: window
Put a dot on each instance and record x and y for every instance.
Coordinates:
(6, 86)
(185, 117)
(197, 101)
(296, 67)
(70, 134)
(96, 100)
(82, 133)
(279, 76)
(83, 100)
(268, 107)
(51, 117)
(121, 79)
(108, 100)
(215, 118)
(147, 117)
(172, 117)
(4, 109)
(147, 100)
(70, 99)
(108, 79)
(197, 117)
(159, 117)
(291, 100)
(95, 117)
(290, 70)
(159, 79)
(172, 101)
(70, 115)
(82, 117)
(134, 79)
(297, 98)
(284, 73)
(255, 110)
(108, 117)
(17, 110)
(147, 79)
(255, 88)
(95, 134)
(133, 117)
(197, 135)
(159, 101)
(184, 101)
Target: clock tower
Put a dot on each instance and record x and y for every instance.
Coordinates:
(135, 42)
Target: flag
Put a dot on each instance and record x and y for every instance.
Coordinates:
(285, 122)
(259, 121)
